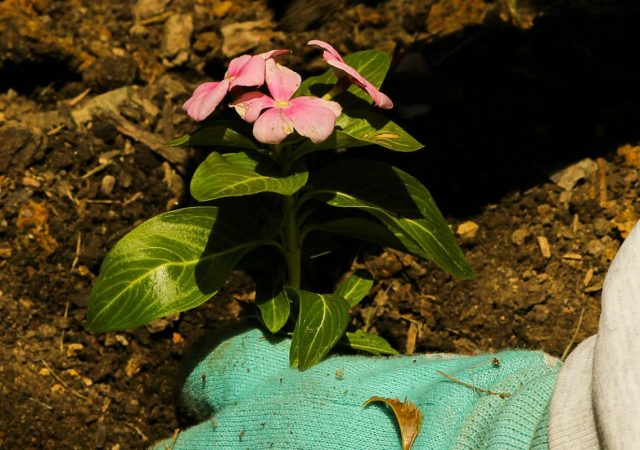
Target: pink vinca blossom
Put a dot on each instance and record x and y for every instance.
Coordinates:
(311, 117)
(245, 70)
(333, 58)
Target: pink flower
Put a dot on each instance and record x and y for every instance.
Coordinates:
(333, 58)
(311, 117)
(245, 70)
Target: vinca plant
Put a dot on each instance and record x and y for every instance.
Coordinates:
(276, 186)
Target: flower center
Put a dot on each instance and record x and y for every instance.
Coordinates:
(282, 104)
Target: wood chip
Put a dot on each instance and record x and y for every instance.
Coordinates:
(573, 256)
(588, 277)
(412, 337)
(545, 248)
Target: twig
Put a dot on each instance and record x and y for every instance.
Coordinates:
(66, 386)
(77, 255)
(66, 314)
(77, 99)
(175, 438)
(471, 386)
(156, 19)
(565, 353)
(96, 170)
(43, 404)
(139, 431)
(179, 157)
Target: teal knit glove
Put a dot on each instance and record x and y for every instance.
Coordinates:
(248, 398)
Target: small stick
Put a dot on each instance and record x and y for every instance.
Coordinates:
(77, 255)
(66, 314)
(471, 386)
(565, 353)
(57, 377)
(96, 170)
(44, 405)
(77, 99)
(175, 438)
(139, 431)
(602, 181)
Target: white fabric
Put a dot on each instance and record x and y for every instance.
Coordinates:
(596, 402)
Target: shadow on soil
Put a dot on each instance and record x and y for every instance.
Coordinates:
(508, 106)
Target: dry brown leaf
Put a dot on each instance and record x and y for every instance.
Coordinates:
(407, 414)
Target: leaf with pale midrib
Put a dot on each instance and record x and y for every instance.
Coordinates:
(223, 133)
(242, 173)
(355, 287)
(322, 320)
(400, 202)
(273, 302)
(171, 263)
(370, 343)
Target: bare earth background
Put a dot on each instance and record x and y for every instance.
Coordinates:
(529, 112)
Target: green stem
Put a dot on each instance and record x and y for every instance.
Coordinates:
(293, 253)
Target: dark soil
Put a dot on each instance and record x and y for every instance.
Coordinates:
(504, 95)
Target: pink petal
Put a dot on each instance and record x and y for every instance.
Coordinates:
(273, 126)
(317, 102)
(281, 81)
(250, 105)
(251, 74)
(236, 65)
(205, 99)
(380, 99)
(273, 53)
(329, 51)
(311, 119)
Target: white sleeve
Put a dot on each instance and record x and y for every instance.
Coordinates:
(596, 401)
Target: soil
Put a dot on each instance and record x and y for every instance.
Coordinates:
(529, 112)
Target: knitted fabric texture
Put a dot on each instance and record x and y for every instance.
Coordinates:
(247, 397)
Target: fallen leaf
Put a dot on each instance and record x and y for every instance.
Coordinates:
(407, 414)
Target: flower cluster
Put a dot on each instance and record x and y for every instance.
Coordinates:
(279, 114)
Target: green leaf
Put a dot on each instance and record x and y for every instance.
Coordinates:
(274, 304)
(355, 287)
(400, 202)
(322, 321)
(171, 263)
(359, 128)
(242, 173)
(371, 343)
(361, 228)
(371, 64)
(221, 133)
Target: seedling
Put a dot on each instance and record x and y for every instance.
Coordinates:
(273, 191)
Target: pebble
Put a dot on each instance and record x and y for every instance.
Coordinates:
(107, 184)
(594, 247)
(519, 236)
(176, 43)
(143, 9)
(45, 330)
(468, 229)
(601, 226)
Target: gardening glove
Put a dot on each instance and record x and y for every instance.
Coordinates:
(248, 398)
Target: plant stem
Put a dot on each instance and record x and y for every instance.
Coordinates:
(293, 252)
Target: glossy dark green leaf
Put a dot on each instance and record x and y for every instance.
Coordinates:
(220, 133)
(360, 228)
(322, 320)
(242, 173)
(274, 304)
(400, 202)
(171, 263)
(359, 128)
(370, 343)
(371, 64)
(355, 287)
